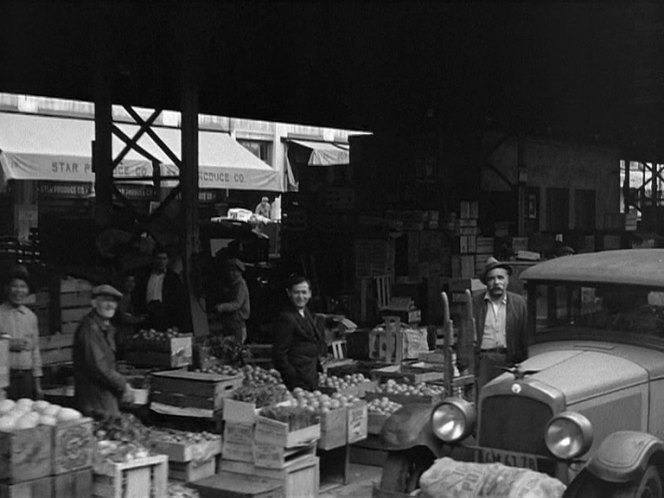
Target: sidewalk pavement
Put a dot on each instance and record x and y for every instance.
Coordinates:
(360, 483)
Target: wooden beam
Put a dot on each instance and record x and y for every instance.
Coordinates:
(133, 143)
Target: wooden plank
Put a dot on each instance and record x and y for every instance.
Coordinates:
(333, 429)
(191, 471)
(25, 454)
(278, 433)
(36, 488)
(275, 456)
(73, 484)
(73, 445)
(136, 479)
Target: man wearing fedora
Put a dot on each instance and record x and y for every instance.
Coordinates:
(500, 322)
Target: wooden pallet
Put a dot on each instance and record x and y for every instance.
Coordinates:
(136, 479)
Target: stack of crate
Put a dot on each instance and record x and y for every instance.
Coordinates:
(485, 249)
(463, 263)
(75, 297)
(47, 461)
(187, 460)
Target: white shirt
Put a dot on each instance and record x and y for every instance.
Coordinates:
(494, 335)
(155, 287)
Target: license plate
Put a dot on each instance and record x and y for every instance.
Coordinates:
(509, 458)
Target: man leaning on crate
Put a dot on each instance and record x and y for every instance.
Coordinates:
(99, 386)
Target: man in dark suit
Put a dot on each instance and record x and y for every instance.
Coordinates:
(298, 341)
(160, 295)
(500, 321)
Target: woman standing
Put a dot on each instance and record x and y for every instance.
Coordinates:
(20, 324)
(298, 342)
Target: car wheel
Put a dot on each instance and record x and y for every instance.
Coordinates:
(402, 469)
(649, 486)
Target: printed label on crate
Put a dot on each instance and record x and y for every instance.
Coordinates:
(73, 447)
(358, 418)
(235, 432)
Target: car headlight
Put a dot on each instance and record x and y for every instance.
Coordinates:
(569, 435)
(453, 420)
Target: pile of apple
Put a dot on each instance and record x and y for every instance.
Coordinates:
(28, 414)
(222, 370)
(178, 436)
(255, 375)
(340, 383)
(420, 389)
(317, 402)
(383, 406)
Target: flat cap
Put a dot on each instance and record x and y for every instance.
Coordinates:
(491, 264)
(106, 290)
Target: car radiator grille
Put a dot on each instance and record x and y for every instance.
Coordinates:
(514, 423)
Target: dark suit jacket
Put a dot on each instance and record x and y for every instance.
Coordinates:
(298, 342)
(174, 306)
(515, 329)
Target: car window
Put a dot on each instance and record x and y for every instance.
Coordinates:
(629, 310)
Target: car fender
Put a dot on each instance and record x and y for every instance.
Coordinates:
(410, 426)
(624, 455)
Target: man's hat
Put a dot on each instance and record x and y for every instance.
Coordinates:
(106, 290)
(491, 264)
(235, 263)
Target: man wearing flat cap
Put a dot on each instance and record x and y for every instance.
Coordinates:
(500, 322)
(234, 306)
(98, 384)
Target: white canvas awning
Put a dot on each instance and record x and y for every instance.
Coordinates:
(60, 149)
(325, 153)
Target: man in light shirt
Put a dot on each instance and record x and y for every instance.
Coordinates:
(500, 321)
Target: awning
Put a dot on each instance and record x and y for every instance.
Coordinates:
(59, 149)
(325, 153)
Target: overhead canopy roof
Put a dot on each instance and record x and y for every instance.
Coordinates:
(325, 153)
(586, 70)
(60, 149)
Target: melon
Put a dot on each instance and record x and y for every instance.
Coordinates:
(52, 410)
(40, 406)
(6, 405)
(67, 414)
(26, 422)
(47, 420)
(7, 424)
(25, 403)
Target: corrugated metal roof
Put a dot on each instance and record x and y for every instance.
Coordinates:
(643, 267)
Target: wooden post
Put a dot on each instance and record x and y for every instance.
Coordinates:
(102, 149)
(189, 187)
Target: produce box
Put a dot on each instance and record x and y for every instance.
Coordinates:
(238, 441)
(135, 479)
(275, 456)
(233, 485)
(26, 454)
(173, 352)
(239, 411)
(181, 446)
(375, 422)
(299, 478)
(73, 484)
(405, 399)
(406, 373)
(192, 389)
(35, 488)
(357, 422)
(278, 433)
(193, 470)
(333, 429)
(73, 445)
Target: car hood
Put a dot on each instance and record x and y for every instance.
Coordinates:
(580, 374)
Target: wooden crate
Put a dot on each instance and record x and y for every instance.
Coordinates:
(73, 484)
(4, 363)
(299, 478)
(35, 488)
(404, 399)
(55, 349)
(176, 352)
(193, 470)
(186, 451)
(193, 389)
(239, 411)
(375, 422)
(136, 479)
(275, 456)
(333, 429)
(238, 441)
(357, 422)
(73, 445)
(278, 433)
(25, 454)
(226, 484)
(405, 373)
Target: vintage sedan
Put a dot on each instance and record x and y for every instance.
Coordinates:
(588, 405)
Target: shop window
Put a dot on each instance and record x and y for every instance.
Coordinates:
(584, 209)
(259, 148)
(557, 209)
